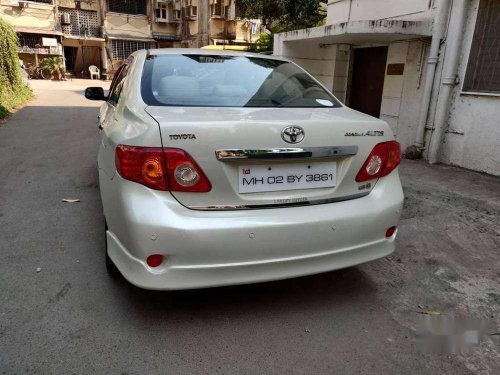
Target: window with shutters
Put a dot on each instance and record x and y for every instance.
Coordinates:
(483, 68)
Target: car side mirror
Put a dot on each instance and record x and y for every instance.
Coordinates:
(95, 93)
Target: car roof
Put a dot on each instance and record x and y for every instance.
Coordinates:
(210, 52)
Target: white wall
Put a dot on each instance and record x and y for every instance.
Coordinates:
(393, 86)
(320, 62)
(473, 137)
(359, 10)
(328, 64)
(412, 91)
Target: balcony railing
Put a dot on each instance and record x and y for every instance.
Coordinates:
(39, 50)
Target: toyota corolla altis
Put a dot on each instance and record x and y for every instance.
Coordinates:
(220, 168)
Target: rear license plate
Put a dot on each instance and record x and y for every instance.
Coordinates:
(260, 178)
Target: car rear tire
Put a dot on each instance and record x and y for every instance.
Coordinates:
(110, 266)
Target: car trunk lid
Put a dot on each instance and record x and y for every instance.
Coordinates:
(245, 154)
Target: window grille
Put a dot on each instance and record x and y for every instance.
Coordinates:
(121, 49)
(127, 6)
(483, 68)
(30, 40)
(83, 22)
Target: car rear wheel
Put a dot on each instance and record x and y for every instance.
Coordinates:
(110, 266)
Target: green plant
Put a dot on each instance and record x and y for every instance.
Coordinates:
(263, 44)
(13, 92)
(53, 65)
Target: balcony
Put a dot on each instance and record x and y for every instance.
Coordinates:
(37, 44)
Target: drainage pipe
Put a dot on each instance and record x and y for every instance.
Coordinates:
(437, 35)
(450, 79)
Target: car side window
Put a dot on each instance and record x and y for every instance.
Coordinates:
(115, 78)
(117, 84)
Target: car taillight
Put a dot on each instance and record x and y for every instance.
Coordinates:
(383, 159)
(184, 174)
(144, 165)
(161, 169)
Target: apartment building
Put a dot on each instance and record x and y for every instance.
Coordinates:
(37, 28)
(248, 31)
(104, 32)
(429, 68)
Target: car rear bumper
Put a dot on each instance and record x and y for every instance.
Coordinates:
(205, 249)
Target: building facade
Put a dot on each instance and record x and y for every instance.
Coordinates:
(104, 32)
(429, 68)
(35, 22)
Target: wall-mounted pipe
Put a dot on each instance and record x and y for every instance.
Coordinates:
(450, 78)
(437, 35)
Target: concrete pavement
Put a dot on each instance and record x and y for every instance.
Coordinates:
(72, 318)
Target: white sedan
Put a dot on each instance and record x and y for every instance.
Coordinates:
(220, 168)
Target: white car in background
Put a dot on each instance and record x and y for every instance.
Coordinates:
(220, 168)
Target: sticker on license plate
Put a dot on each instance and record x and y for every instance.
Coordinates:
(279, 177)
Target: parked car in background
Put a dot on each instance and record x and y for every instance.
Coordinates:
(220, 168)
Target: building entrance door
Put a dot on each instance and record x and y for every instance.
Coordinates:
(367, 82)
(70, 56)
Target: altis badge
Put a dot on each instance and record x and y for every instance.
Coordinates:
(368, 133)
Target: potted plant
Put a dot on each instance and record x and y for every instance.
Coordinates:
(54, 66)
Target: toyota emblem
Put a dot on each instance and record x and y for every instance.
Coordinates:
(293, 134)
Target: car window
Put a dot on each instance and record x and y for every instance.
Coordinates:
(113, 82)
(118, 82)
(229, 81)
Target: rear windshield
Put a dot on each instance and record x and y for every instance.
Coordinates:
(229, 81)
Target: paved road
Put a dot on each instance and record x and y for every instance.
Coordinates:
(71, 318)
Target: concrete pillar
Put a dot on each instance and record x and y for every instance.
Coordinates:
(104, 57)
(203, 37)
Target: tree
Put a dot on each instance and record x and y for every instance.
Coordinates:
(284, 15)
(13, 92)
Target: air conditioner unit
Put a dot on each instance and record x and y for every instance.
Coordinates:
(65, 19)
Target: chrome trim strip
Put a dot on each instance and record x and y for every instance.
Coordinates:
(285, 153)
(277, 205)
